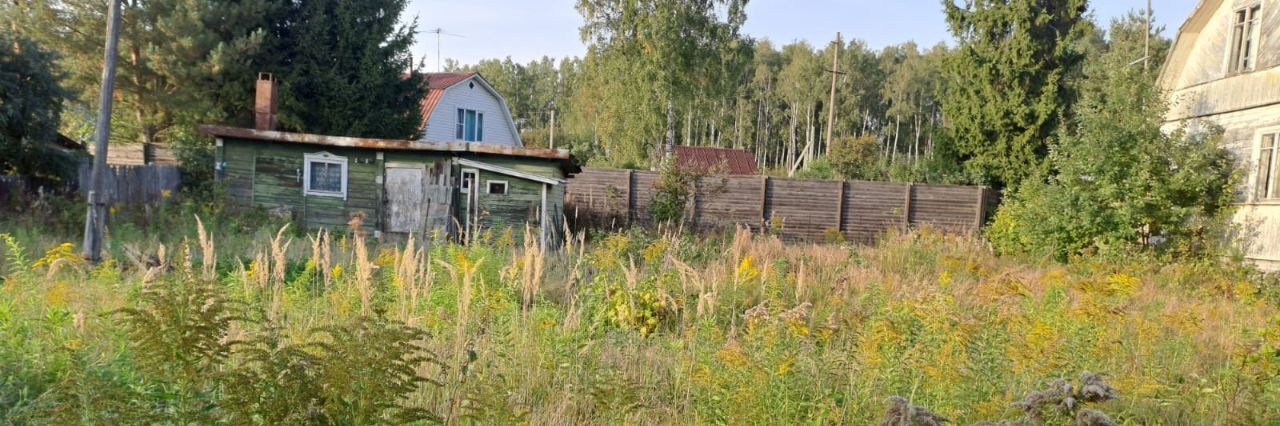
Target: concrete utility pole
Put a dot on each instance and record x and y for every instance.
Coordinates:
(96, 215)
(831, 103)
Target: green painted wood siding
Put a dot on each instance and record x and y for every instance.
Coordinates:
(268, 174)
(520, 205)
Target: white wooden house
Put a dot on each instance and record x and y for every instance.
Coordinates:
(1224, 69)
(463, 107)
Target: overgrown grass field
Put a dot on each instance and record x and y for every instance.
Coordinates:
(268, 325)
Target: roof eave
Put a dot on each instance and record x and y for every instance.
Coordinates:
(568, 164)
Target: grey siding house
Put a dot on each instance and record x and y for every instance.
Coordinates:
(463, 107)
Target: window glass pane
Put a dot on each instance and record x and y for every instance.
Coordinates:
(467, 178)
(1272, 180)
(1266, 158)
(471, 126)
(326, 177)
(460, 119)
(479, 126)
(497, 188)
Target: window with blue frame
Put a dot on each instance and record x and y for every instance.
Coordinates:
(470, 125)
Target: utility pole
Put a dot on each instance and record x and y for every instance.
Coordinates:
(1146, 48)
(96, 215)
(831, 103)
(553, 129)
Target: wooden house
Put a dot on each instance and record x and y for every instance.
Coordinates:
(399, 186)
(1224, 70)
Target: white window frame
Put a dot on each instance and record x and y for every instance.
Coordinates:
(1268, 194)
(327, 158)
(460, 130)
(506, 187)
(462, 180)
(1243, 39)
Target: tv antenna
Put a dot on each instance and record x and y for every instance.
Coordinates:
(441, 32)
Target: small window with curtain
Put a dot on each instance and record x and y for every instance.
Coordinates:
(1267, 180)
(325, 175)
(1245, 34)
(470, 125)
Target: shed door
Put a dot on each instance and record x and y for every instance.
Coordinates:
(418, 197)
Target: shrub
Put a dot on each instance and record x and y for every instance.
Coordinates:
(855, 157)
(1118, 182)
(671, 192)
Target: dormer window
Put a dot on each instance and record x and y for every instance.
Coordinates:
(1244, 39)
(470, 125)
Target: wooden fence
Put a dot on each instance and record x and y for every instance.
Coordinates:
(134, 184)
(802, 209)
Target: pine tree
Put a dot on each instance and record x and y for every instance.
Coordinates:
(1010, 82)
(176, 56)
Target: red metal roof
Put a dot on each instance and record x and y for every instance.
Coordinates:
(700, 159)
(437, 82)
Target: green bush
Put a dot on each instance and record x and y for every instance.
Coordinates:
(671, 192)
(1119, 183)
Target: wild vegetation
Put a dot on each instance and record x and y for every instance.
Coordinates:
(1103, 291)
(239, 324)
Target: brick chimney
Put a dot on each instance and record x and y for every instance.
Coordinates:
(264, 106)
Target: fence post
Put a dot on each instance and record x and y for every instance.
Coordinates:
(630, 193)
(764, 202)
(693, 202)
(840, 209)
(906, 206)
(980, 209)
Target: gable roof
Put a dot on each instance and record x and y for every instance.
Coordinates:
(439, 83)
(1185, 41)
(700, 159)
(563, 157)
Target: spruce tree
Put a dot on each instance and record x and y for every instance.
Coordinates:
(30, 110)
(343, 65)
(1010, 83)
(1117, 179)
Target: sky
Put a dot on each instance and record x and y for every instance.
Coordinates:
(529, 29)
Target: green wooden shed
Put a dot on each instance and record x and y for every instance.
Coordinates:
(401, 186)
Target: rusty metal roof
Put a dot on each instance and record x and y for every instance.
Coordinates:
(567, 163)
(437, 82)
(701, 159)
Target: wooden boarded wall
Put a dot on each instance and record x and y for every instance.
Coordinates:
(804, 209)
(134, 184)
